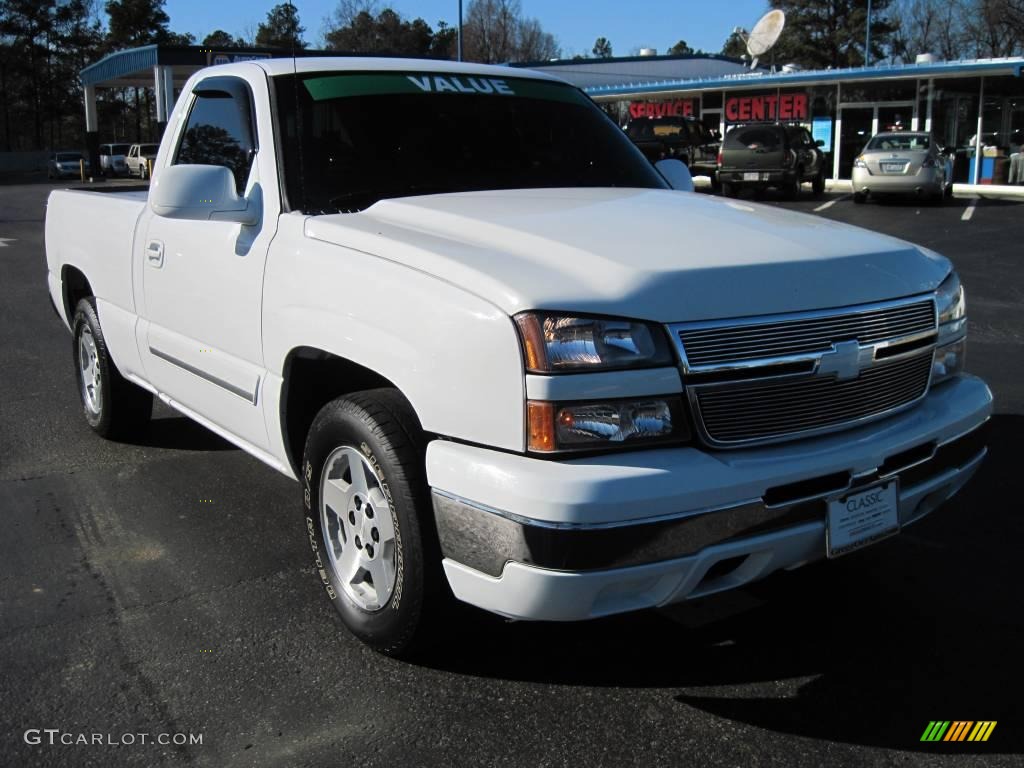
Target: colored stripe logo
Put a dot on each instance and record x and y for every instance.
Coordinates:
(958, 730)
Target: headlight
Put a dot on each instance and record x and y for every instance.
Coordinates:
(859, 162)
(559, 342)
(559, 427)
(951, 347)
(952, 309)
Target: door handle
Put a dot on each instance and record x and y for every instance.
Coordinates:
(155, 254)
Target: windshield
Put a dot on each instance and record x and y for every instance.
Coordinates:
(365, 137)
(901, 141)
(68, 157)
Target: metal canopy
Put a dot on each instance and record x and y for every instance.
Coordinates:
(133, 67)
(974, 67)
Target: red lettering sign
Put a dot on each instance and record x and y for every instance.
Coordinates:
(787, 106)
(677, 108)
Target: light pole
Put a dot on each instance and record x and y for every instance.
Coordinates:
(459, 33)
(867, 41)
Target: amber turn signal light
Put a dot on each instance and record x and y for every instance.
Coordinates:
(540, 417)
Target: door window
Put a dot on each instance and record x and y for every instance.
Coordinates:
(220, 132)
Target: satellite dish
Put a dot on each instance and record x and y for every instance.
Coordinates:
(764, 35)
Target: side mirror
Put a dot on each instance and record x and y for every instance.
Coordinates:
(676, 174)
(819, 143)
(200, 193)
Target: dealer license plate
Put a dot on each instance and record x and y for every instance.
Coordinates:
(751, 176)
(862, 518)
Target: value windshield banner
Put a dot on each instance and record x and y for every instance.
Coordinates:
(323, 87)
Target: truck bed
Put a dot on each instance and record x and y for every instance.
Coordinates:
(94, 233)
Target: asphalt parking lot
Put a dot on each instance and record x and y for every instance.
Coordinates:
(165, 587)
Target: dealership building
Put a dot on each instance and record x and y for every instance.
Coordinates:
(975, 107)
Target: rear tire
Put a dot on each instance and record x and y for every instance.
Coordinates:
(818, 185)
(388, 590)
(114, 407)
(791, 189)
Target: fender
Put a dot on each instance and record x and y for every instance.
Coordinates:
(453, 355)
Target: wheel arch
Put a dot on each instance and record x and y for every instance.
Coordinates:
(75, 286)
(313, 377)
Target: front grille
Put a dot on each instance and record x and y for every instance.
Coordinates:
(777, 408)
(739, 342)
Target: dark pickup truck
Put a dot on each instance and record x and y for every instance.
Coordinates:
(681, 138)
(770, 155)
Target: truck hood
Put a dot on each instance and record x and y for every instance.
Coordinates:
(648, 254)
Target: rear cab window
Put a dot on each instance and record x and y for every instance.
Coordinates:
(905, 142)
(754, 137)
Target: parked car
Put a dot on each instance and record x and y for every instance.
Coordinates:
(542, 375)
(113, 159)
(139, 158)
(763, 155)
(683, 138)
(64, 165)
(902, 163)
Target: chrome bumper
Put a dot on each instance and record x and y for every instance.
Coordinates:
(487, 540)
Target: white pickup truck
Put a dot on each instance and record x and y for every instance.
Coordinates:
(502, 356)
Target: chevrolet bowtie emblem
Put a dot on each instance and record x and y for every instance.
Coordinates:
(843, 361)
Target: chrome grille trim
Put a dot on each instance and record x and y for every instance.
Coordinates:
(762, 340)
(791, 409)
(759, 380)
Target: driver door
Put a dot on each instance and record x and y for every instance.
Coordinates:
(200, 336)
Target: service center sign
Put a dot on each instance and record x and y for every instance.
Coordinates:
(787, 106)
(677, 108)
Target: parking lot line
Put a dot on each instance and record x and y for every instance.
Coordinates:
(969, 211)
(830, 203)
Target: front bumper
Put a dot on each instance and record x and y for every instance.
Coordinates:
(578, 539)
(927, 181)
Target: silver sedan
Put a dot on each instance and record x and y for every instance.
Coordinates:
(907, 162)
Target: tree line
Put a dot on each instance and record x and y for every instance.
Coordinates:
(44, 44)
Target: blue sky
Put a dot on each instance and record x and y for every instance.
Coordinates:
(576, 23)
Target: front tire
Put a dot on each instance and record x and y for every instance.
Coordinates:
(114, 407)
(368, 519)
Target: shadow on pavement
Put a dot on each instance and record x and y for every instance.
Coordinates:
(181, 433)
(866, 649)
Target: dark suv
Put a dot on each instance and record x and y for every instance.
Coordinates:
(682, 138)
(770, 155)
